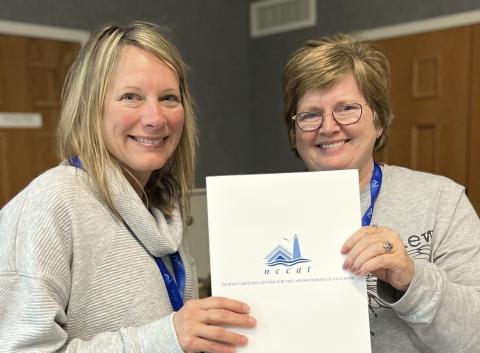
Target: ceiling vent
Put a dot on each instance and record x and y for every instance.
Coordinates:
(275, 16)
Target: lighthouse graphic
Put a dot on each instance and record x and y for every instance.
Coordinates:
(281, 256)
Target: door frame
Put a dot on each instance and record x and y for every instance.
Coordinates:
(42, 31)
(420, 26)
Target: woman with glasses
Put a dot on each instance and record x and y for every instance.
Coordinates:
(420, 242)
(93, 256)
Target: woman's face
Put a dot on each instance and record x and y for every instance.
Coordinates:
(334, 146)
(143, 113)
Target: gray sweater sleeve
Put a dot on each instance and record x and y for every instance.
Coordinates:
(36, 278)
(442, 304)
(32, 315)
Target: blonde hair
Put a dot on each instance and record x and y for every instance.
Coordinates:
(80, 127)
(321, 63)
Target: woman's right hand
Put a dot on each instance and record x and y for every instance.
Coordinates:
(200, 325)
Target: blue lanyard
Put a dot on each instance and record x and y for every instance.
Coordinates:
(76, 162)
(175, 286)
(375, 185)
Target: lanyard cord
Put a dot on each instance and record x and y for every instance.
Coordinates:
(175, 286)
(375, 185)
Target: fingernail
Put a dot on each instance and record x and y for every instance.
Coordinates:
(357, 270)
(344, 250)
(244, 340)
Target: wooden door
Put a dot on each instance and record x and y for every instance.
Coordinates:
(474, 126)
(430, 94)
(32, 72)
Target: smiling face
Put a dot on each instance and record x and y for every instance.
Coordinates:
(334, 146)
(143, 114)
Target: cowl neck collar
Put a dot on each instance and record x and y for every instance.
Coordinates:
(159, 235)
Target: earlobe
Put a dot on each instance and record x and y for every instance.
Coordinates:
(376, 122)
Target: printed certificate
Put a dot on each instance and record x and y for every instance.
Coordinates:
(275, 243)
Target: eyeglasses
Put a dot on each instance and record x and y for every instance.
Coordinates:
(346, 114)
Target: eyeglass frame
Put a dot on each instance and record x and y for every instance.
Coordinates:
(332, 114)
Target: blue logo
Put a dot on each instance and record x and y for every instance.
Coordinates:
(281, 256)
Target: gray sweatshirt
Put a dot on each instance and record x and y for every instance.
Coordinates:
(440, 311)
(75, 278)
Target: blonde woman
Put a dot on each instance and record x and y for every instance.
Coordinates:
(92, 251)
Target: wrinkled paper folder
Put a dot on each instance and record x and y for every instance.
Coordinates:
(275, 243)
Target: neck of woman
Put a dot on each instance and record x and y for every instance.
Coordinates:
(137, 185)
(365, 175)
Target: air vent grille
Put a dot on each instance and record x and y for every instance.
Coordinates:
(275, 16)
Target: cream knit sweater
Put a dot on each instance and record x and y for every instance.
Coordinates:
(75, 278)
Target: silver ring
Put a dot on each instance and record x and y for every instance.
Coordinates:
(388, 247)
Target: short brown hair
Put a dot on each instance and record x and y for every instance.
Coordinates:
(80, 127)
(321, 63)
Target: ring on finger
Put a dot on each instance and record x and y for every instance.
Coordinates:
(388, 247)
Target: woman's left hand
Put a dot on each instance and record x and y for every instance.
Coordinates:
(379, 250)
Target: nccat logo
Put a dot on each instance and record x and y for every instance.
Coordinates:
(281, 256)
